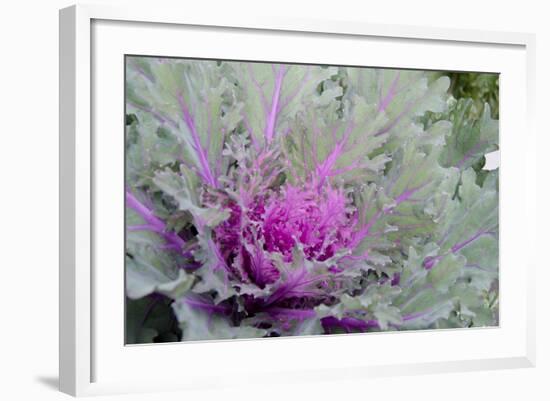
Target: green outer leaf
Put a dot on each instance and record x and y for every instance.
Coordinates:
(193, 100)
(176, 185)
(200, 325)
(149, 268)
(470, 138)
(273, 94)
(143, 279)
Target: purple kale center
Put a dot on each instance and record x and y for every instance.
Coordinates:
(320, 221)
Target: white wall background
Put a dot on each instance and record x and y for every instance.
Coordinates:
(29, 200)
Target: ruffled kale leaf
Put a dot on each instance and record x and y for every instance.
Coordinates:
(273, 94)
(193, 100)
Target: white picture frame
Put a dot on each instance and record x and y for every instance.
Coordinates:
(92, 356)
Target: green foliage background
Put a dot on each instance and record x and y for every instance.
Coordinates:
(480, 87)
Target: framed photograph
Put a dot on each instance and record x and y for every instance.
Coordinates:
(343, 199)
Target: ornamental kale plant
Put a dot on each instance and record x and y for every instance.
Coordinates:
(278, 200)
